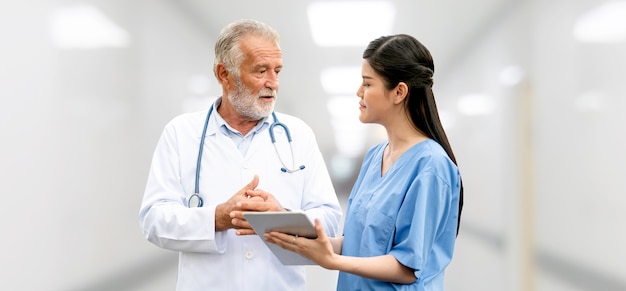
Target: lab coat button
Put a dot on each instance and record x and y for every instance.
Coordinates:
(245, 166)
(249, 254)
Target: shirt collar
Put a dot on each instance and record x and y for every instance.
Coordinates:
(225, 128)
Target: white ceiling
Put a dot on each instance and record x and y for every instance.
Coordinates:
(448, 28)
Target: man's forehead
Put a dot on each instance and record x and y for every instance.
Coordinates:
(265, 56)
(254, 41)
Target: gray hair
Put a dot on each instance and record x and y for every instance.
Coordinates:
(227, 48)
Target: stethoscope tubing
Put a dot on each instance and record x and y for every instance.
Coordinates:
(197, 200)
(206, 125)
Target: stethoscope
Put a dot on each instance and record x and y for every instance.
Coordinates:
(196, 201)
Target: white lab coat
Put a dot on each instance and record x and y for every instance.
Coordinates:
(210, 260)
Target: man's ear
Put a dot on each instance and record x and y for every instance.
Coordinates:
(222, 74)
(401, 91)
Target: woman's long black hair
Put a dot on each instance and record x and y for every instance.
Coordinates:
(402, 58)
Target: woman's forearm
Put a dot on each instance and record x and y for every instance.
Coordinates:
(383, 268)
(336, 242)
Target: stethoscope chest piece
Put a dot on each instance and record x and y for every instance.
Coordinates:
(195, 201)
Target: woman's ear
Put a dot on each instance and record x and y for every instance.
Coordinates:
(401, 92)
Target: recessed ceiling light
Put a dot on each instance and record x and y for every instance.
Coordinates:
(511, 75)
(604, 24)
(593, 101)
(341, 80)
(476, 104)
(83, 26)
(350, 23)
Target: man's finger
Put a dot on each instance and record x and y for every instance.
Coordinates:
(252, 206)
(258, 193)
(245, 231)
(253, 184)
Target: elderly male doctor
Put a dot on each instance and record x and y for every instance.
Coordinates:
(240, 169)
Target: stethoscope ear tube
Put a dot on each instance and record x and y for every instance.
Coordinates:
(196, 201)
(284, 169)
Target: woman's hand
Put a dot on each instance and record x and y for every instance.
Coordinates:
(319, 250)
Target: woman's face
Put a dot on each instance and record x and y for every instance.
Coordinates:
(376, 103)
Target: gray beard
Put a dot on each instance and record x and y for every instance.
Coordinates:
(247, 105)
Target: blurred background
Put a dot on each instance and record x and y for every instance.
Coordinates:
(531, 94)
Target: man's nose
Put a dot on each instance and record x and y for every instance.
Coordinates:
(272, 81)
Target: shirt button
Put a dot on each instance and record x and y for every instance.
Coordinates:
(246, 166)
(249, 254)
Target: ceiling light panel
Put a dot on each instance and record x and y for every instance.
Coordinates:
(350, 23)
(341, 80)
(603, 24)
(83, 26)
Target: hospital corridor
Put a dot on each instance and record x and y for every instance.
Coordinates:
(531, 93)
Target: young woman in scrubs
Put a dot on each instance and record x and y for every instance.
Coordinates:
(404, 209)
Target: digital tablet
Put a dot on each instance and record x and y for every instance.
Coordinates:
(294, 223)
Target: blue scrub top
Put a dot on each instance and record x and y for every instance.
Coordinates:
(411, 213)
